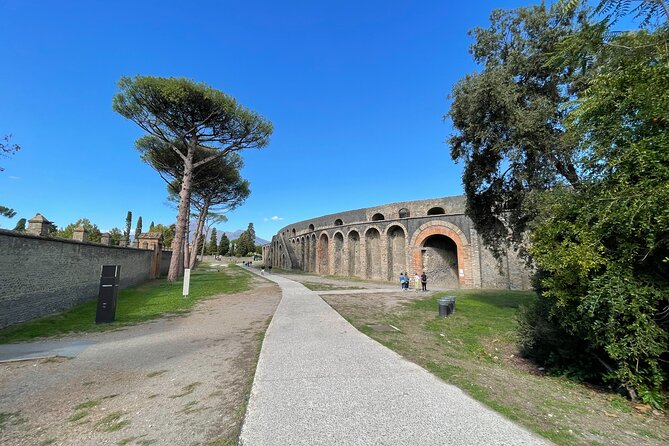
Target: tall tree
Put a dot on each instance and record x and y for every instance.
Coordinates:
(115, 235)
(186, 116)
(612, 10)
(508, 122)
(224, 245)
(151, 227)
(217, 187)
(213, 243)
(167, 231)
(138, 228)
(128, 225)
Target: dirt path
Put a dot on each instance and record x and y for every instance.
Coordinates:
(178, 381)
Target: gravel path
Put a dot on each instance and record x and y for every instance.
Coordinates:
(178, 381)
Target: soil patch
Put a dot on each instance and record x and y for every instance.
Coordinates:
(177, 380)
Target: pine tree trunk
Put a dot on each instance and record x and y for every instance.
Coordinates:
(196, 237)
(182, 219)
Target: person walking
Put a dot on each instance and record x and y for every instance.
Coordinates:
(423, 281)
(416, 281)
(402, 279)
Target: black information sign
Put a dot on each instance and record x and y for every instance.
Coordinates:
(109, 280)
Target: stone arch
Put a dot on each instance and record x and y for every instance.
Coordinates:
(441, 250)
(311, 227)
(338, 248)
(378, 217)
(304, 250)
(307, 254)
(373, 253)
(396, 236)
(436, 211)
(338, 222)
(353, 241)
(404, 213)
(294, 232)
(323, 254)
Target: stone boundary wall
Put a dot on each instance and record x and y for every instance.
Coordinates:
(43, 275)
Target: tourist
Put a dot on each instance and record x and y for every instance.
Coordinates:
(402, 278)
(416, 281)
(423, 281)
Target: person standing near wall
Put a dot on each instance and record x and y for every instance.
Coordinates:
(423, 281)
(402, 279)
(416, 281)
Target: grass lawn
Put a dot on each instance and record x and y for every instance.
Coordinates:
(136, 304)
(475, 349)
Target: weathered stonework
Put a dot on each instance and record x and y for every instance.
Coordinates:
(380, 242)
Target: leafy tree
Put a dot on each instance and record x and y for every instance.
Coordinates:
(138, 228)
(167, 231)
(508, 122)
(151, 227)
(213, 243)
(187, 116)
(7, 212)
(94, 233)
(224, 245)
(128, 225)
(115, 235)
(252, 235)
(20, 225)
(612, 10)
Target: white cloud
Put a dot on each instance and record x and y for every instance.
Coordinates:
(14, 178)
(276, 218)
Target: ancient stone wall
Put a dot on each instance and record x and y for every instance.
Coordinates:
(42, 275)
(380, 242)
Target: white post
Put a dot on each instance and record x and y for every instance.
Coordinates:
(186, 282)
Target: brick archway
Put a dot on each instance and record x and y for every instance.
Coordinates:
(465, 273)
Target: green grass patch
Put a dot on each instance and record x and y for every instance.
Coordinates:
(112, 422)
(10, 418)
(136, 304)
(156, 373)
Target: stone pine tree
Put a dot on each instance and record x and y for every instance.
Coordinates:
(138, 228)
(187, 115)
(213, 243)
(128, 225)
(224, 245)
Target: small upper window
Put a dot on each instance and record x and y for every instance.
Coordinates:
(338, 222)
(311, 227)
(378, 217)
(404, 213)
(436, 211)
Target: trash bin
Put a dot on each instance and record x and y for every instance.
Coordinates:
(110, 276)
(446, 306)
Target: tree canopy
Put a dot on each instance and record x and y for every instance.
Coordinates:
(564, 138)
(189, 116)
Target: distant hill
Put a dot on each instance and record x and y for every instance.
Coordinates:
(235, 235)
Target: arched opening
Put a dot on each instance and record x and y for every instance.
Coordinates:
(338, 222)
(396, 252)
(323, 254)
(311, 227)
(404, 213)
(338, 249)
(298, 252)
(353, 253)
(378, 217)
(440, 261)
(436, 211)
(294, 232)
(307, 255)
(373, 248)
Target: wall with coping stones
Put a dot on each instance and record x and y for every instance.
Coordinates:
(355, 243)
(42, 275)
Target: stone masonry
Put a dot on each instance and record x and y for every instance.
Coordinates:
(380, 242)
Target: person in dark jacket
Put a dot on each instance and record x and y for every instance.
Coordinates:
(423, 281)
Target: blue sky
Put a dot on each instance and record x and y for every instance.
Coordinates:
(356, 91)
